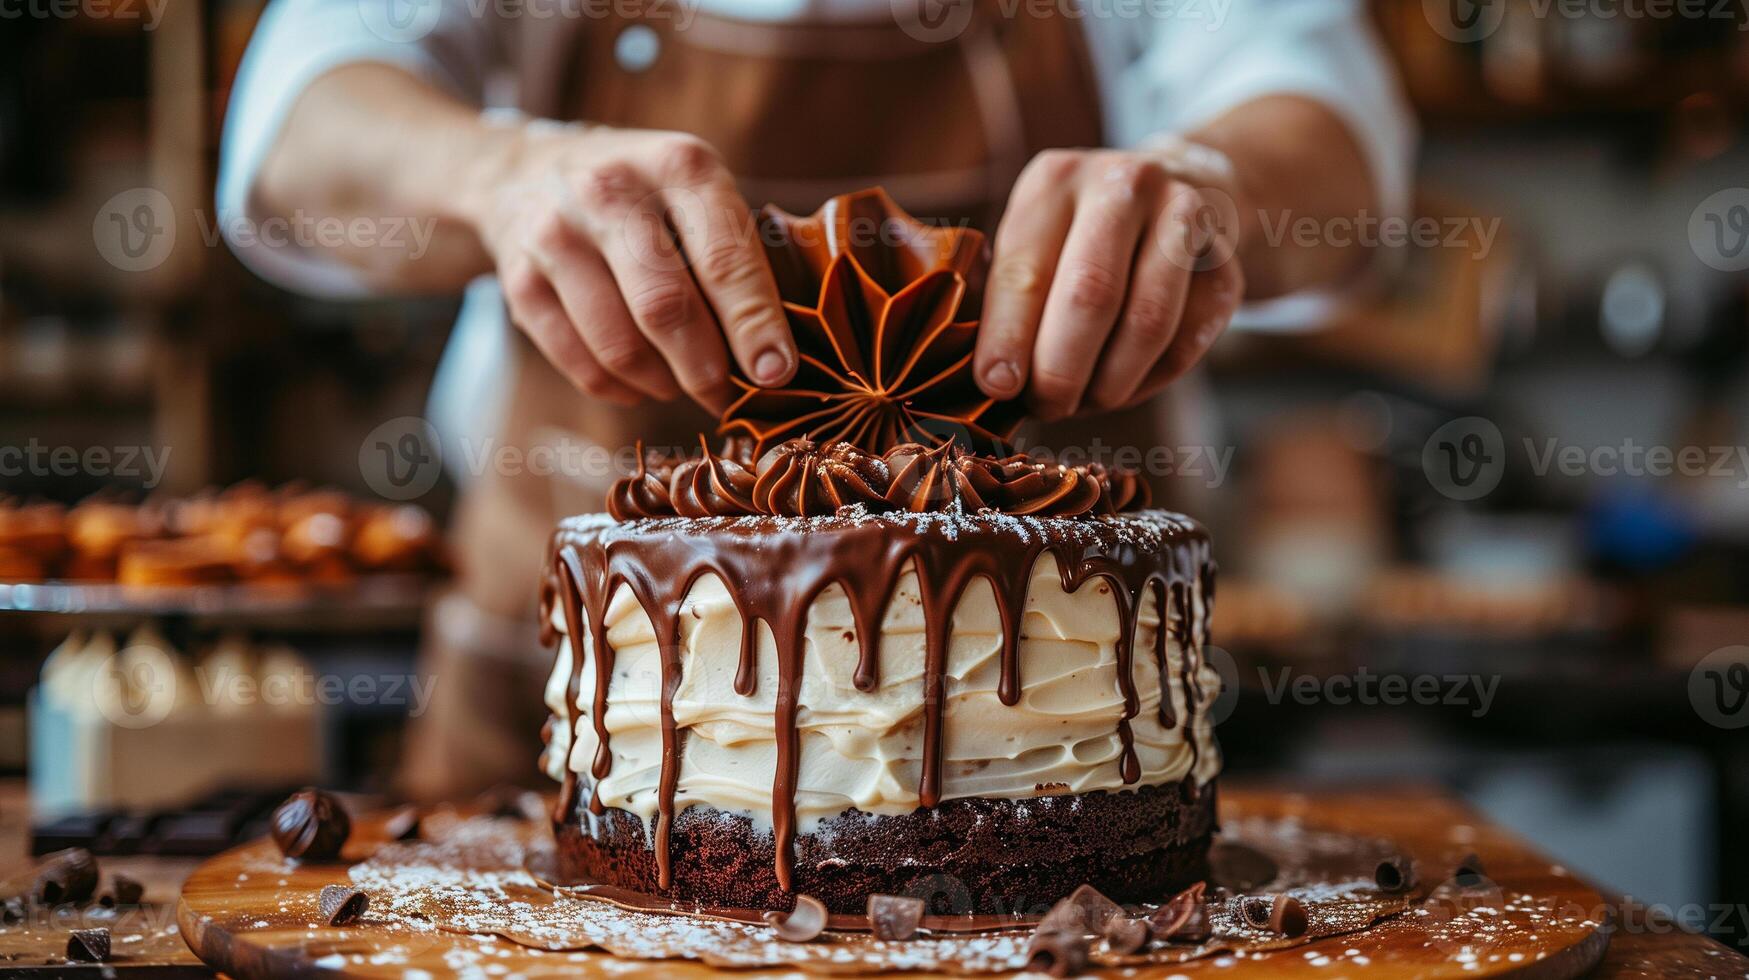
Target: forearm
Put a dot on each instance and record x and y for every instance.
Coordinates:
(1302, 184)
(373, 150)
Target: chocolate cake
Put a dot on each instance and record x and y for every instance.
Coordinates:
(866, 649)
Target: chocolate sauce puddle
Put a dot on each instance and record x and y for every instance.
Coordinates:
(659, 560)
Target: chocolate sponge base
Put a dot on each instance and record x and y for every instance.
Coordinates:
(965, 856)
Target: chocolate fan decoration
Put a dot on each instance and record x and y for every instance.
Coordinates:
(883, 413)
(885, 338)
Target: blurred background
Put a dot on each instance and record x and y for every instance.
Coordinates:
(1521, 471)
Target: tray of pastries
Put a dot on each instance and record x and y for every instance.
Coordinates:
(245, 547)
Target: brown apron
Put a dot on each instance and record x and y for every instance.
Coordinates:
(799, 112)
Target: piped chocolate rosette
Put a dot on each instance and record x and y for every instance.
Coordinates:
(803, 478)
(864, 648)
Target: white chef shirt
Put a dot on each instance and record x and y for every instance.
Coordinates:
(1163, 66)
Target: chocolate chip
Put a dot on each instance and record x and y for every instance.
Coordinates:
(122, 891)
(1395, 874)
(1287, 916)
(1239, 868)
(311, 826)
(1058, 952)
(403, 824)
(1469, 872)
(65, 876)
(1184, 917)
(1125, 935)
(1084, 911)
(341, 904)
(894, 917)
(88, 945)
(805, 922)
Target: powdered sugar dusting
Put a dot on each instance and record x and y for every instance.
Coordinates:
(1147, 529)
(474, 880)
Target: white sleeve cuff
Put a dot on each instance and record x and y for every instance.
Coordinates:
(1195, 62)
(296, 42)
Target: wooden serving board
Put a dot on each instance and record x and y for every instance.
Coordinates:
(250, 914)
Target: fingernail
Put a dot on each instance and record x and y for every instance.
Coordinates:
(770, 367)
(1002, 377)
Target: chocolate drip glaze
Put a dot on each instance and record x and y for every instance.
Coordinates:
(774, 568)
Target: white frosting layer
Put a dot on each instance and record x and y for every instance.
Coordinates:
(865, 750)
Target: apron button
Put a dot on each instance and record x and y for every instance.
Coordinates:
(636, 47)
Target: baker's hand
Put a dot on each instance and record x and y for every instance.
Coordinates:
(1113, 274)
(629, 259)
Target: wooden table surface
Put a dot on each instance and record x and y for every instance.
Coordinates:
(1641, 946)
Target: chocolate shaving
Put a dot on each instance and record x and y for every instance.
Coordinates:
(122, 891)
(65, 876)
(1125, 935)
(1255, 912)
(1184, 917)
(341, 904)
(311, 826)
(88, 945)
(1287, 916)
(804, 923)
(403, 824)
(1469, 872)
(1395, 874)
(1239, 868)
(894, 917)
(1196, 928)
(1059, 945)
(1085, 911)
(1058, 952)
